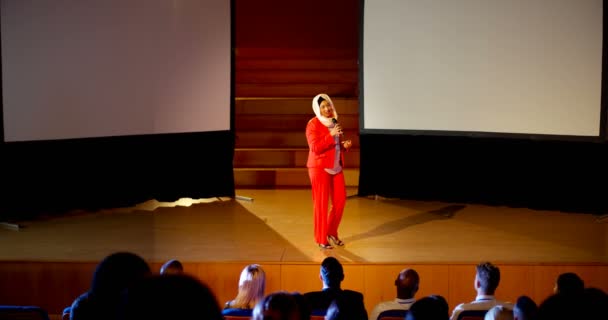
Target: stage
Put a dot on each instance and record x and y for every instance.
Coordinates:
(277, 227)
(50, 260)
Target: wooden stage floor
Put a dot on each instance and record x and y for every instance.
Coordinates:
(277, 227)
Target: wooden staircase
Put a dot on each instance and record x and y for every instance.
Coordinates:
(271, 148)
(274, 89)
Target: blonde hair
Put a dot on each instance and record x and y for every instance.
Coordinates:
(252, 285)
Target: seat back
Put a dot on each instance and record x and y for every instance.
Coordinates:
(318, 314)
(66, 313)
(395, 314)
(22, 313)
(237, 314)
(472, 314)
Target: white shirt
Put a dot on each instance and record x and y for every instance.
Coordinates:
(397, 304)
(482, 302)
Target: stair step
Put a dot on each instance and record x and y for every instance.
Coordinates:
(252, 122)
(282, 139)
(295, 53)
(283, 158)
(283, 177)
(296, 76)
(296, 64)
(296, 90)
(292, 105)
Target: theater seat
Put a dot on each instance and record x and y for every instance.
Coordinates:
(9, 312)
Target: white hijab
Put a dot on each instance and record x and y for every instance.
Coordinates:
(317, 109)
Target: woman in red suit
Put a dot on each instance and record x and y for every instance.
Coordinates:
(325, 161)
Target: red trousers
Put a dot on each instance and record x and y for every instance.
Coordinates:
(324, 187)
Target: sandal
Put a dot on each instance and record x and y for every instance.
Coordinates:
(336, 241)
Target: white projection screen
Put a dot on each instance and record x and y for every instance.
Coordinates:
(98, 68)
(486, 66)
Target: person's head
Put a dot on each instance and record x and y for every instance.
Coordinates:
(117, 272)
(595, 303)
(499, 313)
(428, 308)
(170, 297)
(525, 309)
(569, 283)
(407, 283)
(303, 305)
(442, 303)
(172, 267)
(559, 307)
(277, 306)
(332, 272)
(324, 107)
(487, 278)
(252, 284)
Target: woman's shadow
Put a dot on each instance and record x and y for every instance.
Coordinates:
(446, 212)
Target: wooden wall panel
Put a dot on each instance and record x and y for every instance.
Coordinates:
(289, 24)
(515, 280)
(54, 285)
(300, 278)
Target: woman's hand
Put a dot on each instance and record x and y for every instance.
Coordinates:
(347, 144)
(336, 130)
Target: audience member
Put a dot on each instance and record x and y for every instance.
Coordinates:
(569, 284)
(332, 275)
(429, 308)
(487, 279)
(525, 309)
(277, 306)
(172, 267)
(113, 275)
(499, 313)
(407, 283)
(252, 284)
(170, 297)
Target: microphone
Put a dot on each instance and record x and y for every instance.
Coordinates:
(335, 121)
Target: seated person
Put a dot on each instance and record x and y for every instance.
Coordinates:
(277, 306)
(429, 308)
(487, 279)
(172, 267)
(525, 309)
(113, 275)
(170, 297)
(569, 284)
(407, 285)
(331, 276)
(252, 284)
(499, 313)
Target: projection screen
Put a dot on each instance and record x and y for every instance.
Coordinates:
(485, 66)
(79, 69)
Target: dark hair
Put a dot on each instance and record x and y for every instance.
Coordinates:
(525, 308)
(172, 265)
(570, 283)
(321, 99)
(118, 271)
(332, 272)
(170, 297)
(277, 305)
(428, 308)
(488, 276)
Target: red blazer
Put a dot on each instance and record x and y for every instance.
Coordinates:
(321, 145)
